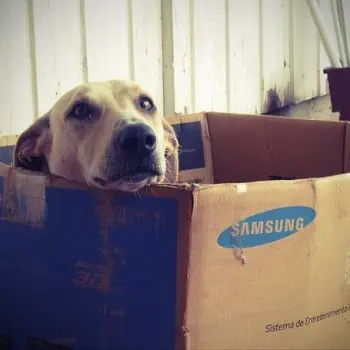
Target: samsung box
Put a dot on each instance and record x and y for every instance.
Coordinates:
(251, 250)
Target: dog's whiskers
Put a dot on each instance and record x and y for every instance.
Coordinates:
(149, 187)
(137, 195)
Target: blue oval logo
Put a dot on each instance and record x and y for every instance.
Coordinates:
(266, 227)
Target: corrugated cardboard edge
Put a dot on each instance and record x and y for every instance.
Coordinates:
(183, 264)
(347, 148)
(194, 279)
(203, 175)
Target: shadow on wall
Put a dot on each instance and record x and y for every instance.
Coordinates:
(318, 108)
(274, 102)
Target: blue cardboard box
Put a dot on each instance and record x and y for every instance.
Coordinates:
(85, 269)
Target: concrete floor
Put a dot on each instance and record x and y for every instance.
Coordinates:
(317, 108)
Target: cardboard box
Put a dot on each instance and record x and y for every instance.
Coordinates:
(90, 269)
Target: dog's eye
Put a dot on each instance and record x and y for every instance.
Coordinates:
(145, 103)
(82, 111)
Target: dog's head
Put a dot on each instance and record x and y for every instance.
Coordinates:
(106, 134)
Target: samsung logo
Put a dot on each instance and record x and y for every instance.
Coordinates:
(266, 227)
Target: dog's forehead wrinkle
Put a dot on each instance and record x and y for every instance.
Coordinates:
(115, 95)
(122, 85)
(90, 95)
(91, 92)
(123, 88)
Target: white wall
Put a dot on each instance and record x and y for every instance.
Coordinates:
(222, 55)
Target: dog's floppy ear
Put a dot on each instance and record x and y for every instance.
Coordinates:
(171, 153)
(33, 145)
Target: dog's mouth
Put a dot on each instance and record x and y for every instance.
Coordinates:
(135, 176)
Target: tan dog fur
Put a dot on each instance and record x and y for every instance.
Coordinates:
(84, 149)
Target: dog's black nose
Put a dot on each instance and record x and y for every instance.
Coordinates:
(137, 138)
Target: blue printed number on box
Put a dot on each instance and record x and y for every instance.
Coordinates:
(91, 281)
(266, 227)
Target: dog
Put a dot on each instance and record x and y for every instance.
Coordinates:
(105, 134)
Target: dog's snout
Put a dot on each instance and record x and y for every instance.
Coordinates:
(137, 138)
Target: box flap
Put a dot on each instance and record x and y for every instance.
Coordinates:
(195, 152)
(253, 148)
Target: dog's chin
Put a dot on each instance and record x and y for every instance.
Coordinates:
(127, 184)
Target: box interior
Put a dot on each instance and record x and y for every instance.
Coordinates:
(248, 148)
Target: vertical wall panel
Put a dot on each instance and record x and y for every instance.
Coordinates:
(16, 93)
(106, 23)
(346, 5)
(210, 55)
(182, 55)
(325, 6)
(168, 57)
(59, 61)
(277, 89)
(147, 47)
(306, 53)
(244, 57)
